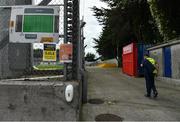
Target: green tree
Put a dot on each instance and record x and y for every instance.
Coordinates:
(141, 21)
(167, 17)
(90, 57)
(123, 22)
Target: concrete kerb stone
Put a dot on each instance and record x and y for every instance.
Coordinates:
(171, 81)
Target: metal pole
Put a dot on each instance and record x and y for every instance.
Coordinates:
(65, 35)
(33, 2)
(79, 46)
(65, 21)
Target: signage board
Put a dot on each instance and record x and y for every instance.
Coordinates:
(128, 49)
(34, 24)
(65, 53)
(49, 52)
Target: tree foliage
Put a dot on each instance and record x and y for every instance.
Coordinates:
(165, 14)
(90, 57)
(140, 21)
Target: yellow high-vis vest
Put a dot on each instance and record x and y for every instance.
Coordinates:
(153, 62)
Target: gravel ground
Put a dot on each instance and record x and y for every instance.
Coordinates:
(124, 96)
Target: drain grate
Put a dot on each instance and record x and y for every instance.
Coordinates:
(108, 117)
(95, 101)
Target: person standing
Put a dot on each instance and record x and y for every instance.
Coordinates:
(149, 65)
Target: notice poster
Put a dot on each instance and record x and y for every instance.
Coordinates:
(128, 49)
(65, 53)
(49, 52)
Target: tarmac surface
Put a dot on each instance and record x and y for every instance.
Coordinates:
(124, 96)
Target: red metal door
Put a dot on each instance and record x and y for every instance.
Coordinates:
(129, 59)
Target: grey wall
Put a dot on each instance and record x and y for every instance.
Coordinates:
(9, 52)
(4, 23)
(157, 54)
(5, 71)
(14, 60)
(40, 101)
(175, 55)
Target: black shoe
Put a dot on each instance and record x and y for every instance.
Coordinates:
(146, 95)
(155, 95)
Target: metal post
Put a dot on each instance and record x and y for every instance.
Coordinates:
(33, 2)
(65, 21)
(76, 39)
(79, 59)
(65, 36)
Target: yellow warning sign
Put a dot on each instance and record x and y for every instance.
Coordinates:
(49, 53)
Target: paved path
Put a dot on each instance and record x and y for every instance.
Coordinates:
(124, 96)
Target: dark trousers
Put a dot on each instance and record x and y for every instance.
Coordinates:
(150, 85)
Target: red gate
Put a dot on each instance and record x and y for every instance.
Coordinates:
(129, 59)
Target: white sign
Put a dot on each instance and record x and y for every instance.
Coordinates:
(34, 24)
(128, 49)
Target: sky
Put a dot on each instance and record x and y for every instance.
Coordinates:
(92, 28)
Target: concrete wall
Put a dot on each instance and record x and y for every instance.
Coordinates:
(175, 55)
(40, 101)
(6, 70)
(4, 23)
(157, 54)
(4, 18)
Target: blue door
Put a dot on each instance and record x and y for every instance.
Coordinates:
(140, 52)
(142, 48)
(167, 62)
